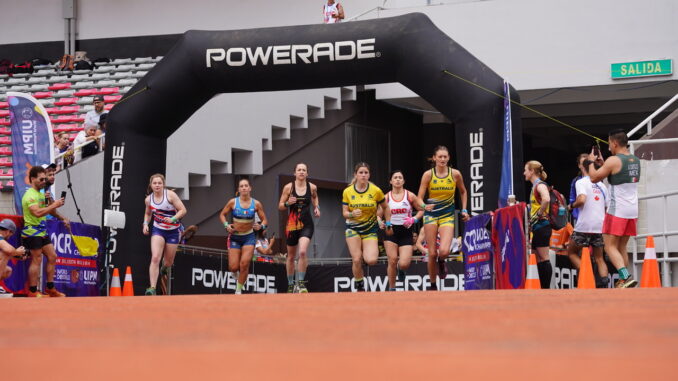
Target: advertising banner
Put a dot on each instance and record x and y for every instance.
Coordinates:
(32, 141)
(508, 235)
(478, 251)
(77, 273)
(205, 274)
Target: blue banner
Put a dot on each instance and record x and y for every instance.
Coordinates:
(508, 235)
(32, 141)
(76, 272)
(506, 184)
(477, 249)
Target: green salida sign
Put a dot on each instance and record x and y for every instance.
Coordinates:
(641, 69)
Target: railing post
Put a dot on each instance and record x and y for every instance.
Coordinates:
(649, 127)
(666, 265)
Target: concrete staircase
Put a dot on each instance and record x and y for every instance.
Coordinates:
(229, 134)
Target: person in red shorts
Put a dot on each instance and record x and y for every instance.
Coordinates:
(622, 171)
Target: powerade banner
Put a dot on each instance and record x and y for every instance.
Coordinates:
(32, 141)
(203, 274)
(508, 235)
(477, 249)
(77, 273)
(506, 183)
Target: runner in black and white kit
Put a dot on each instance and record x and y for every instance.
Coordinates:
(401, 202)
(297, 198)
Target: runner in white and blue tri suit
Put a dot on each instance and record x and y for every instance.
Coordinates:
(241, 239)
(166, 209)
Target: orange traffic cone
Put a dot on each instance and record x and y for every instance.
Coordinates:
(115, 284)
(532, 280)
(585, 277)
(128, 286)
(650, 276)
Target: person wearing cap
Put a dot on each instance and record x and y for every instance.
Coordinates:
(50, 170)
(7, 251)
(92, 116)
(102, 130)
(34, 233)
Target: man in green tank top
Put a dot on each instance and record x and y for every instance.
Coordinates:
(34, 234)
(622, 171)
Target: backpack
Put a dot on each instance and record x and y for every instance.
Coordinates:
(557, 210)
(66, 62)
(83, 65)
(5, 65)
(22, 68)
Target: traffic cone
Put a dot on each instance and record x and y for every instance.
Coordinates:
(115, 284)
(585, 278)
(532, 280)
(650, 276)
(128, 287)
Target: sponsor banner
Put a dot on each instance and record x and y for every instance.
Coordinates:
(32, 141)
(478, 251)
(77, 272)
(506, 183)
(204, 274)
(508, 235)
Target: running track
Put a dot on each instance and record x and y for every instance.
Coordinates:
(526, 335)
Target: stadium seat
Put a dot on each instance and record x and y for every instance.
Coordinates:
(66, 101)
(145, 66)
(121, 61)
(4, 104)
(4, 122)
(83, 85)
(5, 150)
(19, 88)
(112, 98)
(104, 69)
(42, 94)
(109, 106)
(36, 79)
(139, 74)
(64, 93)
(85, 93)
(47, 102)
(61, 86)
(121, 75)
(5, 161)
(5, 140)
(85, 101)
(5, 130)
(68, 110)
(15, 81)
(141, 60)
(4, 113)
(79, 77)
(108, 91)
(127, 82)
(45, 72)
(39, 87)
(57, 79)
(106, 83)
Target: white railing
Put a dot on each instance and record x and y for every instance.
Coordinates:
(648, 121)
(665, 260)
(634, 143)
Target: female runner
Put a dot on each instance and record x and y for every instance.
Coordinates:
(441, 183)
(241, 240)
(539, 223)
(360, 202)
(298, 196)
(401, 202)
(166, 209)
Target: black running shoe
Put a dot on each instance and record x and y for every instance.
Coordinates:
(360, 286)
(442, 269)
(290, 288)
(432, 287)
(401, 275)
(603, 282)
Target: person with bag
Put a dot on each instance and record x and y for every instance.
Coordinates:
(539, 222)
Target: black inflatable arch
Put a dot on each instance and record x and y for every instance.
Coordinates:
(408, 49)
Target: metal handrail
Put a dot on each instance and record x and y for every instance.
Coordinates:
(648, 120)
(634, 143)
(59, 156)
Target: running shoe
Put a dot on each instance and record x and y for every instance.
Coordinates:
(291, 288)
(302, 287)
(360, 286)
(238, 292)
(442, 269)
(4, 293)
(54, 293)
(432, 287)
(603, 282)
(628, 283)
(150, 291)
(37, 294)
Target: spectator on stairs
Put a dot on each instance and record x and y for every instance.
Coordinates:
(63, 146)
(87, 134)
(92, 116)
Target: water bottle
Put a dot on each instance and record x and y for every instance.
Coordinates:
(561, 210)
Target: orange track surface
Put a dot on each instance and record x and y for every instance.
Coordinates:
(527, 335)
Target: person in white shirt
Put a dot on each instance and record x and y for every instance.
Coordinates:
(87, 134)
(92, 116)
(333, 12)
(591, 202)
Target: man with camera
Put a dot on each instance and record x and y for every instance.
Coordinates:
(34, 233)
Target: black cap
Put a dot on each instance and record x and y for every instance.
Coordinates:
(98, 98)
(47, 166)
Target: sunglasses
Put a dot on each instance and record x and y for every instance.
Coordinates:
(41, 179)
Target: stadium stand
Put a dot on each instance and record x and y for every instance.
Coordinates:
(67, 96)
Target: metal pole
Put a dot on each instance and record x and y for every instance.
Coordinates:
(66, 37)
(72, 36)
(666, 269)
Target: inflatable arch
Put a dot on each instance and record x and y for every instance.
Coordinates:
(408, 49)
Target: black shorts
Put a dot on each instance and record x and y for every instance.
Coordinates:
(587, 239)
(36, 242)
(541, 237)
(402, 236)
(294, 235)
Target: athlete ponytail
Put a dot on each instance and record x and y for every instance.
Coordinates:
(432, 159)
(537, 168)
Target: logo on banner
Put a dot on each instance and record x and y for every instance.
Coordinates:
(413, 282)
(209, 278)
(293, 54)
(476, 160)
(477, 249)
(509, 238)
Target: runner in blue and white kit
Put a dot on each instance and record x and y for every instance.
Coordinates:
(166, 209)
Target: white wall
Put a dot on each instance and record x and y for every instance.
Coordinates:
(534, 43)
